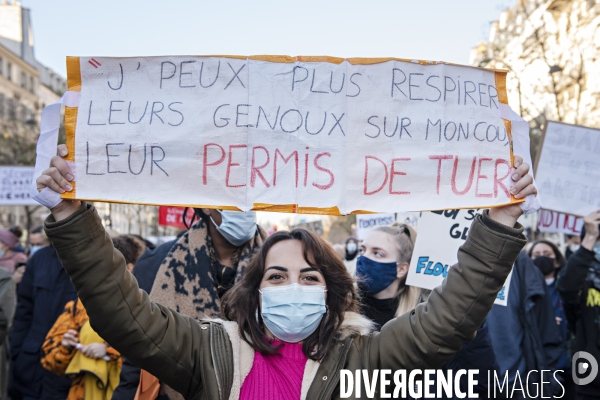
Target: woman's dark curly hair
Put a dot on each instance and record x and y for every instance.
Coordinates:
(241, 303)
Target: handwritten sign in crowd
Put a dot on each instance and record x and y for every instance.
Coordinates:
(441, 233)
(14, 186)
(365, 223)
(304, 133)
(568, 170)
(552, 221)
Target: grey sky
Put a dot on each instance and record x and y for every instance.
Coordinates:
(440, 30)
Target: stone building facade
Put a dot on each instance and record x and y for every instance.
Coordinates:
(552, 51)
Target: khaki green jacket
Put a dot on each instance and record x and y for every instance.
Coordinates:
(208, 359)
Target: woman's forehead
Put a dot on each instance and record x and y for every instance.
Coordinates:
(379, 239)
(286, 253)
(542, 247)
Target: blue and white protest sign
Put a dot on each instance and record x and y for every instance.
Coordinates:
(14, 186)
(441, 233)
(365, 223)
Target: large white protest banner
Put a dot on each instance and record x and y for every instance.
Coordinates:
(305, 134)
(365, 223)
(14, 186)
(552, 221)
(568, 170)
(441, 233)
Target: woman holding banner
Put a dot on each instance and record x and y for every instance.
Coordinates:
(265, 348)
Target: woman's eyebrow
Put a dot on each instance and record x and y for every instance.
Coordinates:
(277, 268)
(308, 269)
(377, 249)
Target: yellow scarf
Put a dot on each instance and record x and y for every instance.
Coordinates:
(101, 377)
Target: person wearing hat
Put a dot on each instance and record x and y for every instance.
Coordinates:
(9, 239)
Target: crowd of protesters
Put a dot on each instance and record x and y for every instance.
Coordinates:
(227, 277)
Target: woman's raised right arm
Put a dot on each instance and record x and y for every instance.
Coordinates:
(153, 337)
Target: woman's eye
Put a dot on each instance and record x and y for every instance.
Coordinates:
(274, 277)
(311, 278)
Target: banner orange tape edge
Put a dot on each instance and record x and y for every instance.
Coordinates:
(73, 85)
(500, 81)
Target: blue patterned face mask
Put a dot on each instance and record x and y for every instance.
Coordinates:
(596, 250)
(237, 227)
(293, 312)
(375, 276)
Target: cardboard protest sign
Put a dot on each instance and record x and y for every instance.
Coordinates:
(568, 170)
(279, 133)
(365, 223)
(173, 216)
(314, 226)
(14, 186)
(441, 233)
(552, 221)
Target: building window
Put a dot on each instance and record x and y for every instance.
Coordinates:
(12, 109)
(31, 84)
(23, 79)
(21, 113)
(1, 66)
(9, 71)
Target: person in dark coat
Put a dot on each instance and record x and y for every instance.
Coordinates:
(524, 333)
(8, 298)
(579, 285)
(144, 272)
(548, 258)
(41, 297)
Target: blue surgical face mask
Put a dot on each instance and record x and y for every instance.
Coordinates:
(237, 227)
(375, 276)
(1, 253)
(293, 312)
(33, 249)
(596, 250)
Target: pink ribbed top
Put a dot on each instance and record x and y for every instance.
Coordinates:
(277, 376)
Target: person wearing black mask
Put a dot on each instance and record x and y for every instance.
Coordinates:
(351, 251)
(548, 258)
